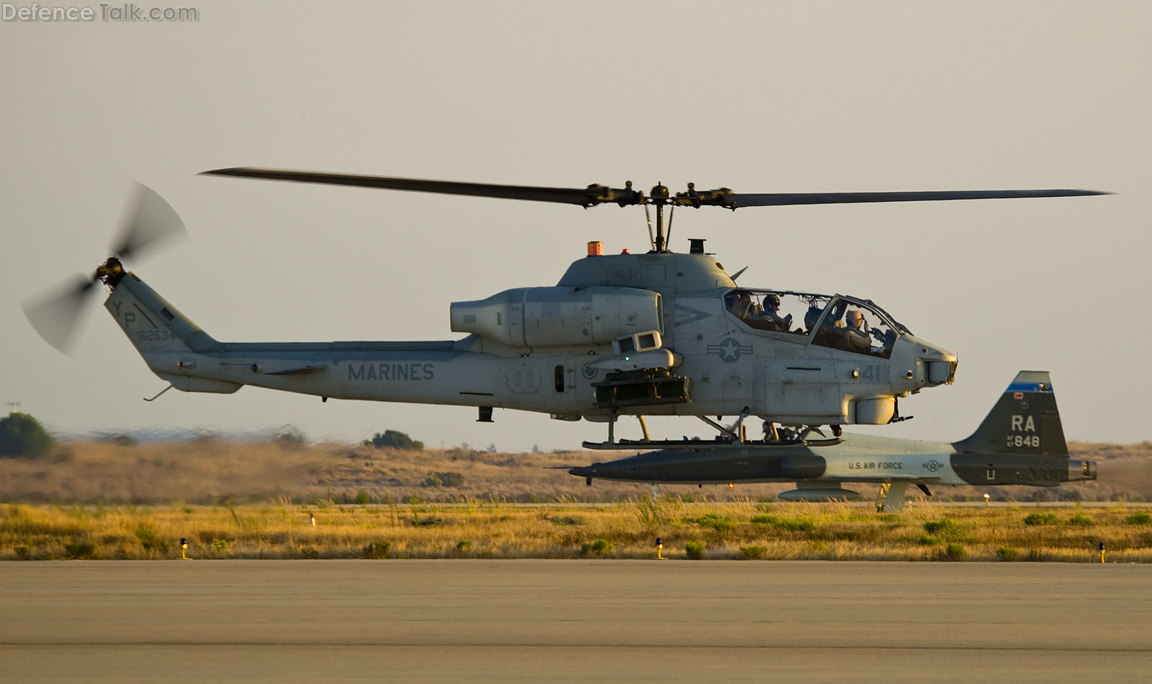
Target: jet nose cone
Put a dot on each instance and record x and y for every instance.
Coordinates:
(586, 472)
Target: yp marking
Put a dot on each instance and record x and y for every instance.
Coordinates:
(128, 318)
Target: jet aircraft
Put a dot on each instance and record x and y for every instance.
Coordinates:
(1020, 442)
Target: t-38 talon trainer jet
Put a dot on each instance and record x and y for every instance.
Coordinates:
(639, 334)
(1021, 442)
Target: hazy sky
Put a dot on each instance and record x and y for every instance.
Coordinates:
(756, 96)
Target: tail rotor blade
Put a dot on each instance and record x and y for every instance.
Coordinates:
(151, 220)
(56, 315)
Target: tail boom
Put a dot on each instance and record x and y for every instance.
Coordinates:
(179, 352)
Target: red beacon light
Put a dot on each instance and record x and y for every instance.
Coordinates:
(595, 248)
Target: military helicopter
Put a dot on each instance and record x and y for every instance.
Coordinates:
(660, 333)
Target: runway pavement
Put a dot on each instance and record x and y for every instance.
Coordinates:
(561, 621)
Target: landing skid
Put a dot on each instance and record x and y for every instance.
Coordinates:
(729, 438)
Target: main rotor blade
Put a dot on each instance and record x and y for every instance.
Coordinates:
(585, 197)
(55, 316)
(736, 200)
(152, 220)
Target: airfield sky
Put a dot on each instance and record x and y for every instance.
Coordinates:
(754, 96)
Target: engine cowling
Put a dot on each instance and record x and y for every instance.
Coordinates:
(560, 316)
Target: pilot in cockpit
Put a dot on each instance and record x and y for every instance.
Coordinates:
(856, 328)
(770, 313)
(739, 303)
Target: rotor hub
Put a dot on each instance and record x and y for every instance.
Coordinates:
(110, 272)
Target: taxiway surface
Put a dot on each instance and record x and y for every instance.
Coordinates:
(539, 620)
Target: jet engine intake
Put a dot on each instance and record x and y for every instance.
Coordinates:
(802, 467)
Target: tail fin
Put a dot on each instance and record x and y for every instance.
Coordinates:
(167, 340)
(1025, 421)
(151, 323)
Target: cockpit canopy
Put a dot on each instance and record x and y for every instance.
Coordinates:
(834, 321)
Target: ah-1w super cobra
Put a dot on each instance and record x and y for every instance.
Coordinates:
(659, 333)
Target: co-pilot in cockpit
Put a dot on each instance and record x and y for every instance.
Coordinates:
(760, 311)
(835, 322)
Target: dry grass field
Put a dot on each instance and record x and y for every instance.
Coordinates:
(211, 471)
(626, 529)
(119, 500)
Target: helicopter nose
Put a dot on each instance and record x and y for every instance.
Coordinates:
(939, 365)
(927, 364)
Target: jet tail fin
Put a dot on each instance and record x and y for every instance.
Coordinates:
(1025, 421)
